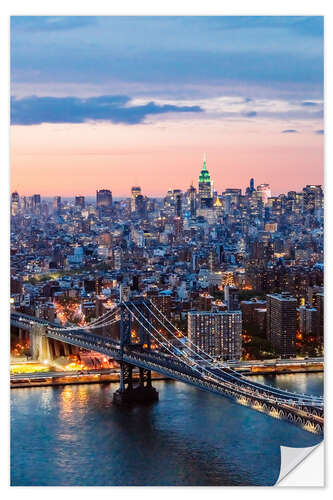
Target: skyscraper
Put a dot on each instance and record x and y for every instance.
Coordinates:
(250, 189)
(141, 205)
(178, 203)
(265, 191)
(312, 198)
(135, 191)
(27, 203)
(217, 333)
(36, 203)
(231, 197)
(205, 187)
(282, 323)
(80, 201)
(56, 203)
(192, 193)
(15, 203)
(103, 198)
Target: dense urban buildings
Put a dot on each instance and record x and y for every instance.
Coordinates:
(240, 274)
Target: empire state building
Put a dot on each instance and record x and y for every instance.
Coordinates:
(205, 187)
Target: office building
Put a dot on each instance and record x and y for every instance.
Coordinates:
(141, 206)
(103, 198)
(56, 204)
(135, 191)
(80, 201)
(265, 191)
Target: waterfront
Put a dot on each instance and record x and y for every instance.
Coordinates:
(74, 435)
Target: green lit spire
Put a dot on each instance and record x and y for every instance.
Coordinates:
(204, 174)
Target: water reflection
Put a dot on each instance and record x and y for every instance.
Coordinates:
(66, 400)
(189, 437)
(303, 383)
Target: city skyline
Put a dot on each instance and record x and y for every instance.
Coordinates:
(250, 95)
(194, 183)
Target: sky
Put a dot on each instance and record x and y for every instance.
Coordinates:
(110, 102)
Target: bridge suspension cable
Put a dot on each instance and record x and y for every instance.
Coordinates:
(233, 375)
(104, 316)
(184, 361)
(93, 325)
(157, 340)
(212, 377)
(177, 330)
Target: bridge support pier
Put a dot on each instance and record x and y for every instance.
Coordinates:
(40, 344)
(128, 393)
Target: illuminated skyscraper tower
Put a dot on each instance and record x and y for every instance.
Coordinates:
(205, 187)
(135, 192)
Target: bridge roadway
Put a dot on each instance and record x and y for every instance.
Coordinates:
(21, 320)
(275, 362)
(299, 409)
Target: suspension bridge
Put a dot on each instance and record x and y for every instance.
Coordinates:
(148, 341)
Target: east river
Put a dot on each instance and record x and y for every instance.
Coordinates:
(74, 435)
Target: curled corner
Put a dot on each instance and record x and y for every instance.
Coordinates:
(291, 458)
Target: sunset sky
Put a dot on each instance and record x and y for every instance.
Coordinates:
(111, 102)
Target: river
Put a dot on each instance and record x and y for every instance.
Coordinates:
(74, 435)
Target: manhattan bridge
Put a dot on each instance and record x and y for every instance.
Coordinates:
(159, 346)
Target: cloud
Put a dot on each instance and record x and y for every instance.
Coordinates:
(116, 109)
(250, 114)
(289, 131)
(319, 132)
(309, 103)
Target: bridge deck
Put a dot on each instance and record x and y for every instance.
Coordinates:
(302, 408)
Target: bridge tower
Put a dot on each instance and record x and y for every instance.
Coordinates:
(131, 391)
(39, 343)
